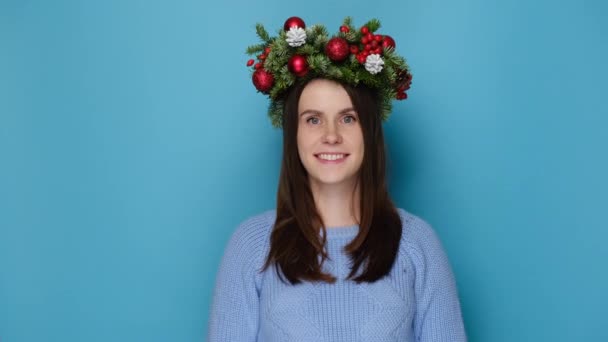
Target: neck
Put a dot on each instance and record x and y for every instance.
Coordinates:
(337, 204)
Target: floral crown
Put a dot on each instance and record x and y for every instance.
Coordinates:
(351, 56)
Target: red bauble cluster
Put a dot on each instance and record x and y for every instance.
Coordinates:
(294, 22)
(370, 44)
(263, 80)
(298, 65)
(337, 49)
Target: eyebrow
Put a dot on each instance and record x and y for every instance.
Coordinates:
(343, 111)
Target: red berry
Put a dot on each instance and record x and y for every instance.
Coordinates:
(258, 65)
(354, 49)
(267, 50)
(374, 44)
(344, 29)
(378, 38)
(361, 58)
(368, 47)
(369, 36)
(364, 30)
(377, 51)
(364, 40)
(262, 57)
(250, 62)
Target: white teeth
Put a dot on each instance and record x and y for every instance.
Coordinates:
(331, 156)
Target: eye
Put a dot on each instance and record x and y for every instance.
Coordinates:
(350, 119)
(315, 120)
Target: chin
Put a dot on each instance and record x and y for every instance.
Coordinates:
(332, 180)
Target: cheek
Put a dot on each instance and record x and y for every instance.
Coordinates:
(358, 139)
(303, 149)
(304, 140)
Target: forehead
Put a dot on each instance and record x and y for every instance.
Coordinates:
(324, 96)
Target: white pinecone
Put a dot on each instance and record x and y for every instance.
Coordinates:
(296, 36)
(373, 63)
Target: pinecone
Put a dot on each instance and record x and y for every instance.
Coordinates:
(404, 80)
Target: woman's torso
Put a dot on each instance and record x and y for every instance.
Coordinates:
(343, 311)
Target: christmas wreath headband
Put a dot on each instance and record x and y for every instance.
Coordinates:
(351, 56)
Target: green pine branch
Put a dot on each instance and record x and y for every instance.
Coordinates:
(373, 25)
(255, 49)
(262, 33)
(275, 112)
(348, 21)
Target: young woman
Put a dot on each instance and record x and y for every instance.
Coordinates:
(336, 260)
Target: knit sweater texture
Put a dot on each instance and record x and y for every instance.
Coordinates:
(417, 301)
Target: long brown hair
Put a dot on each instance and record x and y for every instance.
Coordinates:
(297, 249)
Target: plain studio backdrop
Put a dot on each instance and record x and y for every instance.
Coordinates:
(132, 143)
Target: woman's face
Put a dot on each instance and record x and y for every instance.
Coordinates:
(330, 139)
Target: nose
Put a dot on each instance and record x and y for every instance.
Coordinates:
(331, 135)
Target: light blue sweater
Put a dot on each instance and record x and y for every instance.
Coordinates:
(417, 301)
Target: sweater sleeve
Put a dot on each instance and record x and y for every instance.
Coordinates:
(235, 305)
(438, 315)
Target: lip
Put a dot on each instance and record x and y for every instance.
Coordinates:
(337, 161)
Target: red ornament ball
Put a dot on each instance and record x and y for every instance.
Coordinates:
(337, 49)
(263, 80)
(294, 22)
(298, 65)
(388, 41)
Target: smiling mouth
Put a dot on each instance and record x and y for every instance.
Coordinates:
(329, 157)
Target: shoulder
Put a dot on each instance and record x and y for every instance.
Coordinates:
(418, 237)
(256, 228)
(251, 238)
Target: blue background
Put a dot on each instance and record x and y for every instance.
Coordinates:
(132, 143)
